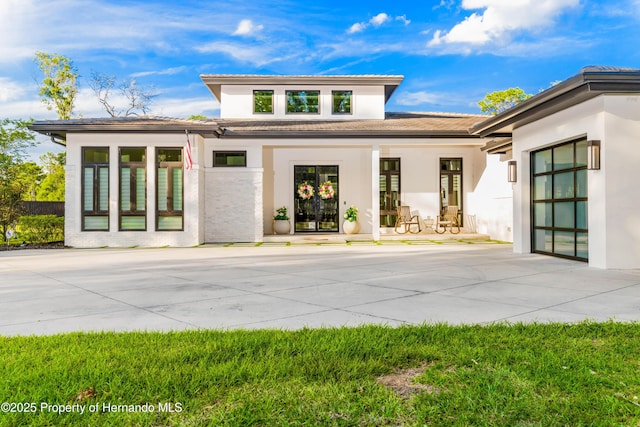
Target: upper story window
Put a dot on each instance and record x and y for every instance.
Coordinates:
(341, 101)
(303, 101)
(263, 101)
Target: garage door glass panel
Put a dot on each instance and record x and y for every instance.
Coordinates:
(581, 183)
(582, 245)
(564, 243)
(563, 185)
(559, 197)
(581, 215)
(544, 214)
(542, 161)
(563, 157)
(542, 187)
(581, 153)
(563, 215)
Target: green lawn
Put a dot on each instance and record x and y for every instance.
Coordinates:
(501, 375)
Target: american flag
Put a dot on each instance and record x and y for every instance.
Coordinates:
(188, 162)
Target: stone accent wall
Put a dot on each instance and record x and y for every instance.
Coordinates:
(233, 205)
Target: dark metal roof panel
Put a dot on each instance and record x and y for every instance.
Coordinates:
(590, 82)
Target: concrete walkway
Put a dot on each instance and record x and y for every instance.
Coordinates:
(276, 285)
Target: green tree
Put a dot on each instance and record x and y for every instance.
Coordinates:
(499, 101)
(59, 85)
(52, 187)
(12, 189)
(15, 138)
(32, 175)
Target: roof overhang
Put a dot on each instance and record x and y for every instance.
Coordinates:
(589, 83)
(230, 133)
(215, 81)
(498, 146)
(58, 129)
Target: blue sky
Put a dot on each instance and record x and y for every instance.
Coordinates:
(451, 52)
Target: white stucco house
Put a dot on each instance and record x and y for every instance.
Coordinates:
(318, 144)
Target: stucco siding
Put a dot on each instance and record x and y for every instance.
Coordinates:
(614, 227)
(367, 102)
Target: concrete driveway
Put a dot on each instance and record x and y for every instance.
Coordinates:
(278, 286)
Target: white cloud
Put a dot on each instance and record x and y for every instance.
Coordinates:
(166, 72)
(418, 98)
(257, 55)
(10, 90)
(500, 20)
(87, 104)
(181, 107)
(71, 26)
(246, 27)
(379, 19)
(357, 27)
(403, 19)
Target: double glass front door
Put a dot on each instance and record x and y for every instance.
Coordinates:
(316, 198)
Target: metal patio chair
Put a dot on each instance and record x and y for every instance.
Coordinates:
(449, 218)
(406, 222)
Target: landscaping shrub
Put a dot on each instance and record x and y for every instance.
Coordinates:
(41, 228)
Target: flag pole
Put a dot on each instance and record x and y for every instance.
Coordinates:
(188, 161)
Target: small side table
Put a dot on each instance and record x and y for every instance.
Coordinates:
(428, 224)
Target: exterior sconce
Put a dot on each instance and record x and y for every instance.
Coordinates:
(512, 166)
(593, 155)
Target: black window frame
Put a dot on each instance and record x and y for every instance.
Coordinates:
(333, 103)
(243, 154)
(291, 91)
(133, 166)
(555, 199)
(451, 174)
(388, 217)
(255, 92)
(170, 165)
(96, 167)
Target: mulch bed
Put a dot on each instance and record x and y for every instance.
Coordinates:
(50, 245)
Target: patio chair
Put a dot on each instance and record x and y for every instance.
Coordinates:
(406, 222)
(449, 218)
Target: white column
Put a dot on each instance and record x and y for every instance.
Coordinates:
(375, 191)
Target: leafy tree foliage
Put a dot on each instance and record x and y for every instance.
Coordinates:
(15, 138)
(51, 188)
(499, 101)
(59, 85)
(12, 189)
(32, 175)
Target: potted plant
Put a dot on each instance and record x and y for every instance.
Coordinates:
(281, 223)
(351, 224)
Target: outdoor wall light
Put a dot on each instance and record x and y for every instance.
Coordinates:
(513, 171)
(593, 155)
